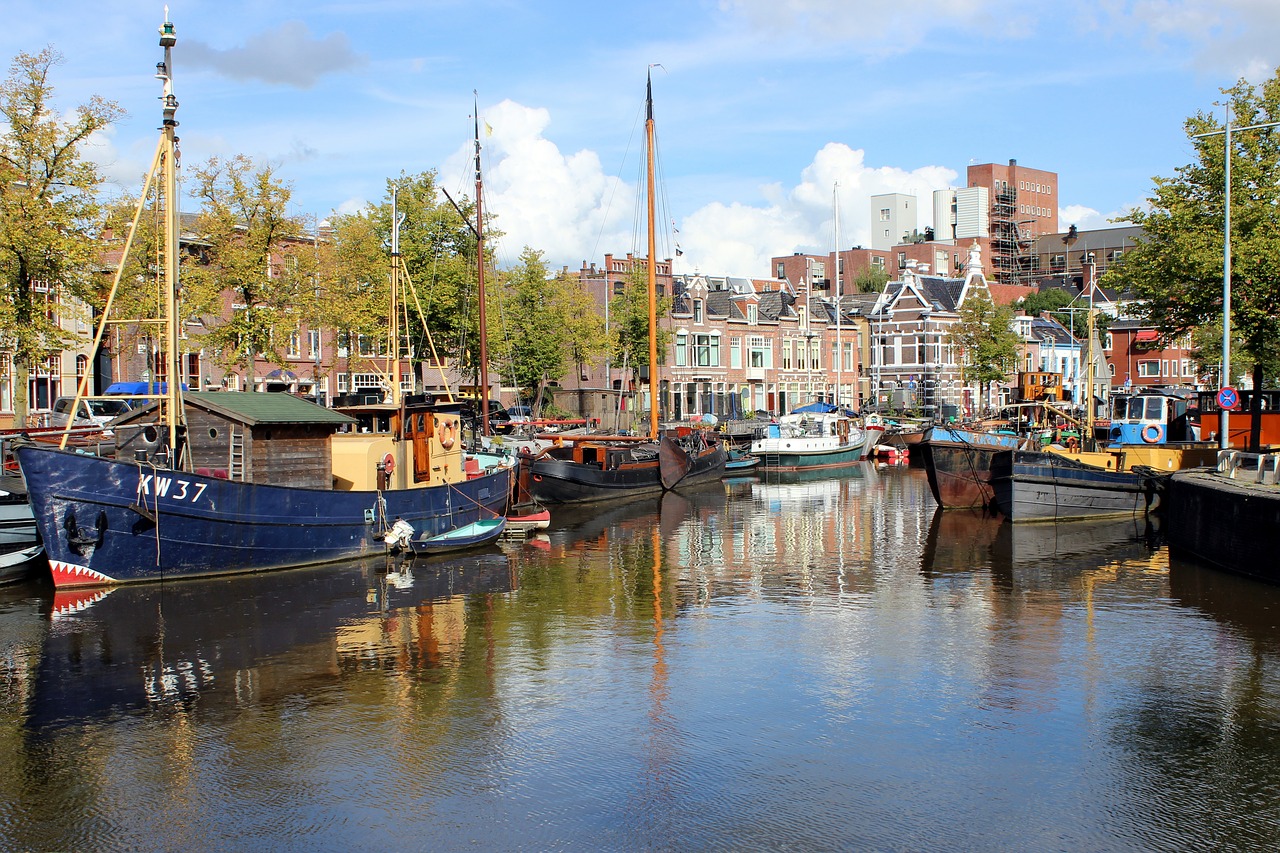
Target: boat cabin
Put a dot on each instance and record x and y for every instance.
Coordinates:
(252, 437)
(1149, 418)
(400, 447)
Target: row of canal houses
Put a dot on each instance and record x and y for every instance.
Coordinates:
(737, 346)
(741, 347)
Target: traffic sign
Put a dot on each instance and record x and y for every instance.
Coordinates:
(1228, 398)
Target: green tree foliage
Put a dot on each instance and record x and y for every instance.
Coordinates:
(255, 254)
(870, 280)
(629, 322)
(1177, 266)
(986, 341)
(353, 273)
(544, 329)
(48, 212)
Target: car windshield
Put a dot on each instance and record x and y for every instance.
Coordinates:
(107, 408)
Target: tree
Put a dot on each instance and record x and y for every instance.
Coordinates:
(629, 322)
(870, 280)
(545, 330)
(986, 340)
(256, 254)
(48, 213)
(352, 274)
(1177, 266)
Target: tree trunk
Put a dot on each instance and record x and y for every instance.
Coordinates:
(1255, 410)
(21, 387)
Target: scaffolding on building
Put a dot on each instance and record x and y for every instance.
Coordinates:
(1013, 256)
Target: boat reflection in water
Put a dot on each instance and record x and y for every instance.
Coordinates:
(1027, 555)
(224, 643)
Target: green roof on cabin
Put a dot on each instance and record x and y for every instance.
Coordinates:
(257, 407)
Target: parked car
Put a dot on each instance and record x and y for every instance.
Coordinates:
(509, 419)
(91, 413)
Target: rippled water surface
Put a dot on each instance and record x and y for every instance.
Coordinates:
(806, 665)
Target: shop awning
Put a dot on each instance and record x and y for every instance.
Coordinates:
(1147, 336)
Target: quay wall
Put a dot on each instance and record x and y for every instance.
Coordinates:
(1228, 524)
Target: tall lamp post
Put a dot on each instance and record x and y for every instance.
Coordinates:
(1224, 375)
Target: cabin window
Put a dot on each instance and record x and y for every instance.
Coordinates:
(213, 432)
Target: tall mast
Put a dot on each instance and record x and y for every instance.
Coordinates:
(835, 203)
(172, 230)
(653, 268)
(484, 332)
(393, 327)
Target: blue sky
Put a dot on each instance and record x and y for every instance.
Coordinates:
(762, 106)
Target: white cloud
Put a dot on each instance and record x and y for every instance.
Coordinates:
(287, 55)
(566, 206)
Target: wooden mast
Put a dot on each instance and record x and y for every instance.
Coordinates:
(653, 269)
(484, 331)
(393, 327)
(172, 230)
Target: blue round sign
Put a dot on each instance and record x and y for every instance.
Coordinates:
(1228, 398)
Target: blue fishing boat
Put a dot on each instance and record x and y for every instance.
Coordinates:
(216, 483)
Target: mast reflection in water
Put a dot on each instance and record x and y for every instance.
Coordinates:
(822, 663)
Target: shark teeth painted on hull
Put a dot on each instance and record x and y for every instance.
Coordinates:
(69, 574)
(69, 603)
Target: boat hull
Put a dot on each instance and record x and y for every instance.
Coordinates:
(106, 522)
(564, 481)
(1037, 486)
(480, 533)
(781, 454)
(958, 465)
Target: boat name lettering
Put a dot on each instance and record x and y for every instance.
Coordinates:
(183, 490)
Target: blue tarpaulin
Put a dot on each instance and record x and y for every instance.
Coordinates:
(139, 388)
(821, 408)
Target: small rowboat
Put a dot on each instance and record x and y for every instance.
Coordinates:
(472, 535)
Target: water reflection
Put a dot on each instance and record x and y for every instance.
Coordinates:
(821, 663)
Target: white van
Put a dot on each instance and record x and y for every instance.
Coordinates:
(97, 413)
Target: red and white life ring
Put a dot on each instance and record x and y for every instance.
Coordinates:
(448, 432)
(1151, 433)
(388, 463)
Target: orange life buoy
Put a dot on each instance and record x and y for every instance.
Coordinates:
(388, 463)
(447, 435)
(1151, 433)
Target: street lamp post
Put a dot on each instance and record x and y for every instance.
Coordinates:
(1224, 376)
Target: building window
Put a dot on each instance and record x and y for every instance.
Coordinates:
(295, 344)
(697, 310)
(815, 355)
(786, 354)
(706, 350)
(902, 257)
(761, 352)
(753, 314)
(735, 352)
(1149, 368)
(313, 341)
(681, 343)
(782, 271)
(884, 215)
(877, 262)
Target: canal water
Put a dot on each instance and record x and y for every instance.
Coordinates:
(823, 664)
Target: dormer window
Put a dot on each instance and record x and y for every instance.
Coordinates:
(753, 314)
